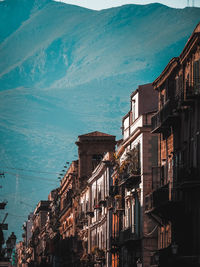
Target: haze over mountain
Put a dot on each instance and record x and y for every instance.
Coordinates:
(65, 71)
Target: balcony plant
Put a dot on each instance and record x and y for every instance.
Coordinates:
(99, 254)
(118, 197)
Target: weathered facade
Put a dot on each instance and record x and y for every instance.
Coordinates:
(174, 201)
(134, 234)
(38, 242)
(74, 194)
(100, 221)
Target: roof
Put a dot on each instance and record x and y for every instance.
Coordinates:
(140, 87)
(194, 38)
(96, 133)
(166, 72)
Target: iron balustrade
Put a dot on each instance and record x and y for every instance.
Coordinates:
(67, 204)
(164, 201)
(130, 178)
(186, 175)
(159, 176)
(193, 88)
(127, 235)
(163, 117)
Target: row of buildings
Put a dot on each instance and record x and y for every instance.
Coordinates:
(133, 202)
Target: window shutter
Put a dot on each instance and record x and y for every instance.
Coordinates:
(195, 71)
(196, 75)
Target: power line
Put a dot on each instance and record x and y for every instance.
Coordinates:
(28, 177)
(27, 170)
(15, 215)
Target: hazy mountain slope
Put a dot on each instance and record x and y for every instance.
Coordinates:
(66, 70)
(62, 45)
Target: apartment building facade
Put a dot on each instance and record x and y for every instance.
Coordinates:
(174, 201)
(75, 204)
(134, 233)
(100, 223)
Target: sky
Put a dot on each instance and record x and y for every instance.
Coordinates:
(103, 4)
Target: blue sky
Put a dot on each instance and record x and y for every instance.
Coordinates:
(102, 4)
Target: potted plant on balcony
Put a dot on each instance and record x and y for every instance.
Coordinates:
(97, 207)
(98, 254)
(133, 161)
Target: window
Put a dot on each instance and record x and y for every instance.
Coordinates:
(196, 76)
(96, 160)
(133, 110)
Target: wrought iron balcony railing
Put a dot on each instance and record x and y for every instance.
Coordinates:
(114, 190)
(187, 176)
(165, 202)
(184, 94)
(128, 236)
(159, 176)
(66, 206)
(193, 88)
(164, 117)
(130, 179)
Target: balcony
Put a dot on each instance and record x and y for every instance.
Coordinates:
(82, 217)
(97, 207)
(164, 117)
(184, 96)
(193, 88)
(130, 180)
(101, 200)
(66, 205)
(114, 244)
(128, 238)
(90, 213)
(119, 204)
(114, 190)
(187, 177)
(164, 202)
(110, 203)
(159, 176)
(141, 121)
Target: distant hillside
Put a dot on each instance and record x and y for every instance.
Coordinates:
(66, 70)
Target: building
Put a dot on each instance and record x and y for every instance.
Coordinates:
(38, 241)
(174, 201)
(52, 234)
(134, 233)
(69, 245)
(100, 212)
(73, 191)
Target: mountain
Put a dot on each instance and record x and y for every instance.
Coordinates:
(65, 71)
